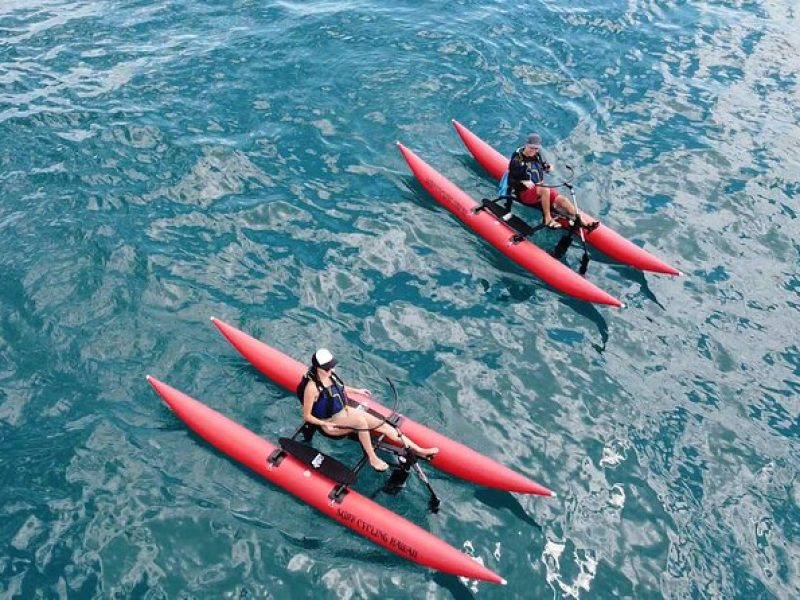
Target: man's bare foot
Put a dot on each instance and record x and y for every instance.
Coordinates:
(427, 453)
(553, 224)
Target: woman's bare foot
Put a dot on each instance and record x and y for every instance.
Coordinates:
(379, 465)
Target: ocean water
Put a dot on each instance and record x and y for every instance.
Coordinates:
(162, 162)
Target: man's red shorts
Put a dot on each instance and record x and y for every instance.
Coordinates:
(530, 197)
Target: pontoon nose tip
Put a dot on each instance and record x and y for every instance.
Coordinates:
(503, 581)
(213, 319)
(148, 377)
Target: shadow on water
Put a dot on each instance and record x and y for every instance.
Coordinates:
(591, 312)
(515, 291)
(512, 290)
(454, 585)
(376, 556)
(472, 165)
(641, 278)
(420, 196)
(304, 542)
(499, 499)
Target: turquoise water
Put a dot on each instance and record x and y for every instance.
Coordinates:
(165, 162)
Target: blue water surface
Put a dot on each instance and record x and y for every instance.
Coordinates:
(162, 162)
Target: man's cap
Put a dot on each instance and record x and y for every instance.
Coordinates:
(534, 139)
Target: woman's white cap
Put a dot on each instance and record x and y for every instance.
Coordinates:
(324, 359)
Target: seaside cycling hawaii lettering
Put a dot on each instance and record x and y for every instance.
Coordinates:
(440, 192)
(376, 533)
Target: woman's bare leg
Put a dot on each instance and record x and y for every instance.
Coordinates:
(403, 439)
(348, 419)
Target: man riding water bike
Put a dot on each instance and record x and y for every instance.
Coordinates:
(526, 171)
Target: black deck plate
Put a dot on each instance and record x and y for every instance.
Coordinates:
(319, 461)
(514, 222)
